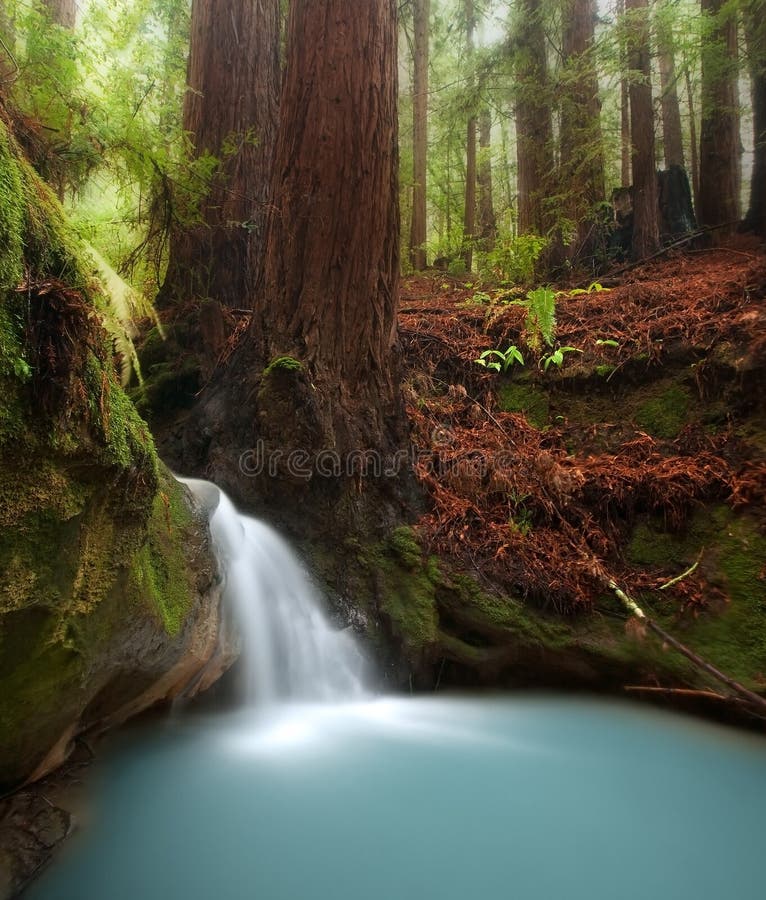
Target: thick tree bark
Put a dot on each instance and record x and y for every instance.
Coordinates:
(487, 220)
(469, 212)
(581, 155)
(645, 204)
(719, 137)
(418, 234)
(755, 31)
(534, 128)
(329, 292)
(672, 134)
(62, 12)
(230, 112)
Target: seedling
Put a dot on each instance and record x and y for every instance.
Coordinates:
(556, 358)
(500, 361)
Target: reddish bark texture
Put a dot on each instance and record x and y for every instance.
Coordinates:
(231, 113)
(330, 287)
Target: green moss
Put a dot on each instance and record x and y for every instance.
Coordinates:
(665, 413)
(523, 397)
(12, 217)
(604, 371)
(404, 587)
(731, 635)
(159, 575)
(283, 364)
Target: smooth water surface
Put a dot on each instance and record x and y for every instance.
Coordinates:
(426, 798)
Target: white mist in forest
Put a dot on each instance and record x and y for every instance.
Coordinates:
(290, 651)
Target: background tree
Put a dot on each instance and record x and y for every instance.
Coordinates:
(534, 126)
(672, 132)
(719, 135)
(581, 170)
(230, 112)
(62, 12)
(755, 34)
(469, 209)
(418, 232)
(645, 204)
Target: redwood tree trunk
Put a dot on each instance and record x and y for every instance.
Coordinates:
(534, 128)
(645, 206)
(230, 112)
(755, 31)
(62, 12)
(672, 134)
(625, 144)
(329, 293)
(582, 161)
(418, 234)
(469, 214)
(487, 219)
(719, 137)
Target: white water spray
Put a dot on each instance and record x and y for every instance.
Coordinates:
(289, 649)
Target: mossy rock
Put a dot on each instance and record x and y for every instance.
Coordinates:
(105, 572)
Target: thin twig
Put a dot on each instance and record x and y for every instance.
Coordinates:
(683, 575)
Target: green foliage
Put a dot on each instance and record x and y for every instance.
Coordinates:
(513, 258)
(499, 360)
(607, 342)
(540, 323)
(556, 358)
(594, 287)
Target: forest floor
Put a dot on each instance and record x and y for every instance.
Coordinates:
(536, 476)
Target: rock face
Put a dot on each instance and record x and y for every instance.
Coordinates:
(108, 591)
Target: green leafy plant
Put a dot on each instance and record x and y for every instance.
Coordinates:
(594, 287)
(500, 361)
(608, 342)
(513, 257)
(540, 323)
(556, 358)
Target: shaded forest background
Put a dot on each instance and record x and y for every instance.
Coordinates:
(518, 122)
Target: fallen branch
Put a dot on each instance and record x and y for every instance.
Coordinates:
(680, 692)
(635, 610)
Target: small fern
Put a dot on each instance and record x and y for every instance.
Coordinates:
(540, 323)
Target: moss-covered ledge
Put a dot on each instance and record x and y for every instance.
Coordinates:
(108, 596)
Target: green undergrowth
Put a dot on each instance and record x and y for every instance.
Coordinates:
(436, 613)
(730, 633)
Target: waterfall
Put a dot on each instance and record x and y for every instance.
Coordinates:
(289, 649)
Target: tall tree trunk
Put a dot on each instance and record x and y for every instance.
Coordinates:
(487, 220)
(719, 138)
(581, 170)
(419, 230)
(469, 214)
(672, 134)
(534, 127)
(625, 143)
(329, 293)
(755, 31)
(645, 205)
(693, 141)
(230, 112)
(62, 12)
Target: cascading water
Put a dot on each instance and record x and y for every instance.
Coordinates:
(289, 649)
